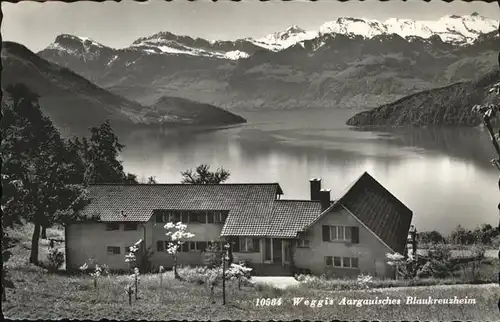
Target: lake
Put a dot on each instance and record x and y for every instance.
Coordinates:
(443, 175)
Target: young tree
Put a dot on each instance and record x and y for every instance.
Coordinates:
(152, 180)
(178, 236)
(203, 175)
(35, 158)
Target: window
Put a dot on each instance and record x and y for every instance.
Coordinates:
(184, 247)
(201, 246)
(194, 246)
(303, 243)
(113, 250)
(219, 217)
(130, 226)
(113, 226)
(175, 217)
(197, 217)
(345, 262)
(347, 233)
(185, 217)
(210, 217)
(164, 216)
(248, 245)
(340, 233)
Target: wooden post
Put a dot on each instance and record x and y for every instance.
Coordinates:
(414, 242)
(224, 254)
(135, 286)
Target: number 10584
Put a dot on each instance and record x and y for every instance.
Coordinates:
(269, 302)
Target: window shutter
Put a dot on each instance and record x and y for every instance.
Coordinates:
(326, 233)
(256, 245)
(328, 260)
(355, 235)
(159, 246)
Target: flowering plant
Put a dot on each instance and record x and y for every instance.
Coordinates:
(99, 270)
(178, 235)
(132, 260)
(364, 280)
(405, 267)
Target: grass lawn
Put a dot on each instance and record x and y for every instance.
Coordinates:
(40, 295)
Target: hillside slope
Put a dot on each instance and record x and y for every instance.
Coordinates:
(450, 105)
(195, 113)
(74, 103)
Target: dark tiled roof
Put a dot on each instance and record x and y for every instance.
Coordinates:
(138, 201)
(291, 216)
(379, 210)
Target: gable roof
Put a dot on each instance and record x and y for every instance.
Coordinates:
(287, 218)
(379, 210)
(253, 207)
(138, 201)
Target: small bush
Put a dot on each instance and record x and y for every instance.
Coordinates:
(439, 262)
(55, 259)
(195, 275)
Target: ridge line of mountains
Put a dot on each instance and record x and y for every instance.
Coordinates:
(347, 63)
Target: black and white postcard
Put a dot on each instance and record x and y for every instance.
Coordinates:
(250, 160)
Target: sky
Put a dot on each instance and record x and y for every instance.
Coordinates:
(117, 25)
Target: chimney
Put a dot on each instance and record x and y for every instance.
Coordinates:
(324, 198)
(315, 188)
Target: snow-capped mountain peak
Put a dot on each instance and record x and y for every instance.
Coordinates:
(462, 29)
(71, 40)
(354, 26)
(450, 28)
(284, 39)
(79, 46)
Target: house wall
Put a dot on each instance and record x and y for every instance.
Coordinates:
(370, 251)
(202, 232)
(90, 240)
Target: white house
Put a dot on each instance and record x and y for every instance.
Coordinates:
(344, 237)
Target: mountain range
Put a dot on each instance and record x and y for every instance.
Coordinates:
(74, 103)
(349, 62)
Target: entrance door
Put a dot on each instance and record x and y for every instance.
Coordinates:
(277, 251)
